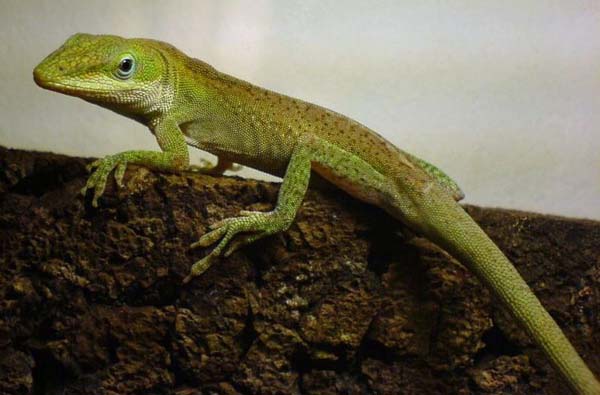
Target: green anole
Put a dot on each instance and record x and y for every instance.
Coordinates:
(186, 101)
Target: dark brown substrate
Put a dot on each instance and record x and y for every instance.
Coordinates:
(345, 302)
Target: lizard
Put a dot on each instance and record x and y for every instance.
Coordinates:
(185, 101)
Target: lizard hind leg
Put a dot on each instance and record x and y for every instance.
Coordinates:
(335, 164)
(233, 233)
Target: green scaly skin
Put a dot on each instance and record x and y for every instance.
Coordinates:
(186, 101)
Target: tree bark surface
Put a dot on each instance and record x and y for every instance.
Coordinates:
(347, 301)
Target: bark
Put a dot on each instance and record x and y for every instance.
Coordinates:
(347, 301)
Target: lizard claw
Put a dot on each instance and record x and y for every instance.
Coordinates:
(120, 173)
(91, 166)
(198, 268)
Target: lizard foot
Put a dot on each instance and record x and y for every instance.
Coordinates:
(209, 168)
(204, 167)
(103, 167)
(248, 227)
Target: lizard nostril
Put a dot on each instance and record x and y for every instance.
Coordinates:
(61, 69)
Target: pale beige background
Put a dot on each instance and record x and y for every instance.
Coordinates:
(504, 95)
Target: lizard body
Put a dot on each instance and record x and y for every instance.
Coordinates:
(185, 101)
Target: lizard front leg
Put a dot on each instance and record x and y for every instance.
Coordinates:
(253, 225)
(174, 157)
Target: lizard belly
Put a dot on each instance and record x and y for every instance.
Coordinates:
(263, 153)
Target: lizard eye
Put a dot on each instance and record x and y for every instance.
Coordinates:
(126, 67)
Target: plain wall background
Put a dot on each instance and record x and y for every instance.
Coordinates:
(504, 96)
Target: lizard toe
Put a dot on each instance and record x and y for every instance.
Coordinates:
(209, 238)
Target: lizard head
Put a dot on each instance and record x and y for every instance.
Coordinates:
(124, 75)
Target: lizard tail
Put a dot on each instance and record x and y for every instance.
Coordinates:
(453, 229)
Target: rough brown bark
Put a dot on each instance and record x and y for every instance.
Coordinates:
(345, 302)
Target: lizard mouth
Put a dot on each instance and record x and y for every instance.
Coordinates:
(62, 84)
(57, 86)
(47, 83)
(40, 79)
(93, 93)
(60, 87)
